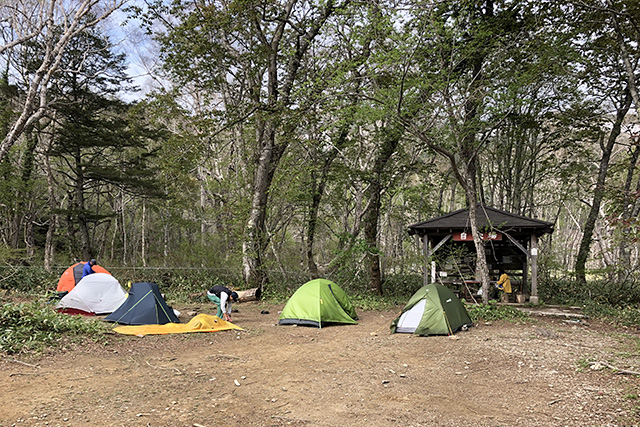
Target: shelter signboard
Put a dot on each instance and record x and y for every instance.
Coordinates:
(463, 236)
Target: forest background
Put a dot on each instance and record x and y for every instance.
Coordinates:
(277, 141)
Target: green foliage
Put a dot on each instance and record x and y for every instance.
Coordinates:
(279, 293)
(490, 312)
(180, 284)
(31, 327)
(621, 316)
(401, 286)
(186, 284)
(611, 292)
(561, 291)
(33, 280)
(370, 301)
(611, 301)
(347, 266)
(583, 364)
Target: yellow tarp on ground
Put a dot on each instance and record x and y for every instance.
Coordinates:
(200, 323)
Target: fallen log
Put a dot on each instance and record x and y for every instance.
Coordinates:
(249, 294)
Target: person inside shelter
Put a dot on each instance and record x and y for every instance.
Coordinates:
(504, 284)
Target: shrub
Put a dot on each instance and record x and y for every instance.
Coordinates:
(622, 316)
(571, 292)
(491, 312)
(368, 301)
(402, 285)
(33, 326)
(28, 279)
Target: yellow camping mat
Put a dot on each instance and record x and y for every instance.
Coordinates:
(200, 323)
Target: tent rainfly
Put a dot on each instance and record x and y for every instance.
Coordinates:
(200, 323)
(98, 293)
(433, 310)
(318, 303)
(144, 306)
(73, 274)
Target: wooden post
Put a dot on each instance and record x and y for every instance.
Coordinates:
(525, 275)
(533, 299)
(425, 247)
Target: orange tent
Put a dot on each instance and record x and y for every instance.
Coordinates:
(73, 274)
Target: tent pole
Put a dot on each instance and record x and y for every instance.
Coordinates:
(533, 299)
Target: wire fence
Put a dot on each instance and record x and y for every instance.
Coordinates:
(35, 279)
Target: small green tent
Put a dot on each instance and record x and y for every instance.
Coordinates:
(317, 303)
(433, 310)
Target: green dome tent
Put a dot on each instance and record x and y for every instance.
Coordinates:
(433, 310)
(317, 303)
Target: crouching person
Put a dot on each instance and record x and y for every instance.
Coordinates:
(222, 297)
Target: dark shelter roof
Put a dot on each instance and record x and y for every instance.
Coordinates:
(485, 216)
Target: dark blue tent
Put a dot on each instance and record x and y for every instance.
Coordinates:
(144, 306)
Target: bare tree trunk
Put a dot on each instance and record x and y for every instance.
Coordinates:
(603, 236)
(29, 239)
(165, 235)
(598, 193)
(626, 60)
(252, 247)
(316, 198)
(21, 213)
(124, 229)
(628, 205)
(270, 122)
(116, 230)
(143, 251)
(80, 208)
(391, 138)
(481, 255)
(468, 151)
(49, 247)
(203, 202)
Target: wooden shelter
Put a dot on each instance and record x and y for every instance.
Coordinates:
(511, 243)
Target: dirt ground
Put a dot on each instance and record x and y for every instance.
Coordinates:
(509, 374)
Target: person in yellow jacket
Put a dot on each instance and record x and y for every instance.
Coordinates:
(504, 284)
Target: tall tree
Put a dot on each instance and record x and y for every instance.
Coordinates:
(51, 25)
(461, 40)
(604, 62)
(95, 143)
(259, 49)
(607, 144)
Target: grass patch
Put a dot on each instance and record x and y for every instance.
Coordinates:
(276, 294)
(628, 316)
(490, 312)
(583, 365)
(369, 302)
(34, 326)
